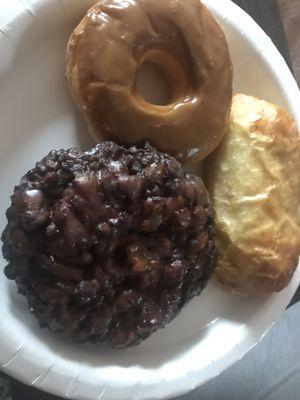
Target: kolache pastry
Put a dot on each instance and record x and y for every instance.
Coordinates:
(109, 244)
(254, 180)
(183, 40)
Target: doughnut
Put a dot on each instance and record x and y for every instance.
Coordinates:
(254, 180)
(109, 244)
(182, 39)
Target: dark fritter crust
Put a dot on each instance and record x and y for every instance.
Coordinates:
(109, 244)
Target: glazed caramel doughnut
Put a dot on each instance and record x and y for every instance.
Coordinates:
(180, 37)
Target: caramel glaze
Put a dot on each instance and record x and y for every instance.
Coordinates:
(182, 38)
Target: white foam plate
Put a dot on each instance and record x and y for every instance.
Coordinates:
(37, 115)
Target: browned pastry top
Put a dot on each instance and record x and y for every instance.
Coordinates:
(254, 180)
(181, 38)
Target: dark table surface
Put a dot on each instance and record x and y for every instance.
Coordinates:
(266, 13)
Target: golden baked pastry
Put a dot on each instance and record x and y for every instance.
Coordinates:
(180, 37)
(254, 180)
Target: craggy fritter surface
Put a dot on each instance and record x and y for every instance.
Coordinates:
(109, 244)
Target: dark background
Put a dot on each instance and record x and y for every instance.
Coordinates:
(268, 13)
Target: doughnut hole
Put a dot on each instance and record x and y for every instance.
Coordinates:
(161, 81)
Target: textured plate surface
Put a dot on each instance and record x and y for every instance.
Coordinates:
(36, 115)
